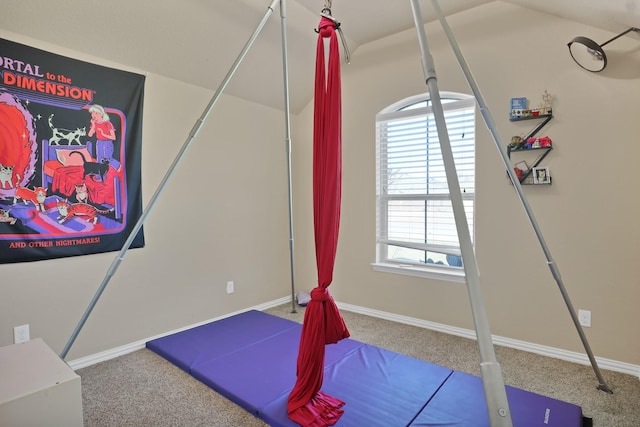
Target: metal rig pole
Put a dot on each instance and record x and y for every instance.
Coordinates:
(192, 135)
(486, 114)
(493, 382)
(285, 75)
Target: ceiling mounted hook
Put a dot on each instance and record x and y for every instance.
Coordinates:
(326, 13)
(326, 10)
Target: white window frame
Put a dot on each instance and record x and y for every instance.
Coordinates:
(419, 269)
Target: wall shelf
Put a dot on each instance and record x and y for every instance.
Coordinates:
(534, 131)
(527, 178)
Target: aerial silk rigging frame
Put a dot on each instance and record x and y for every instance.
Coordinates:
(493, 383)
(491, 373)
(191, 137)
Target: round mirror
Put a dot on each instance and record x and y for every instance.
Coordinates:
(588, 54)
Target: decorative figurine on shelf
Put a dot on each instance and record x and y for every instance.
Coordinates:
(516, 143)
(546, 106)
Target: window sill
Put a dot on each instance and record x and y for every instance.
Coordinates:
(437, 273)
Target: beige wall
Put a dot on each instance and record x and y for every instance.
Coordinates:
(588, 217)
(223, 216)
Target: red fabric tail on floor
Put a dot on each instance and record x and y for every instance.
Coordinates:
(323, 324)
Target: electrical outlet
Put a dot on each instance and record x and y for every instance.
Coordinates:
(21, 334)
(230, 287)
(584, 316)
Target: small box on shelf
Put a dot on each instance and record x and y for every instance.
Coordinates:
(518, 108)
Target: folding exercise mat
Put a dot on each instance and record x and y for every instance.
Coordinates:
(250, 358)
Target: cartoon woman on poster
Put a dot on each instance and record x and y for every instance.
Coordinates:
(105, 134)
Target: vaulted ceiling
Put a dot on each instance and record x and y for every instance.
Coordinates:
(197, 41)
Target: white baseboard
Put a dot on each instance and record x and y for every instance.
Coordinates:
(569, 356)
(103, 356)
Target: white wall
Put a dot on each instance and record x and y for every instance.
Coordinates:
(223, 216)
(588, 216)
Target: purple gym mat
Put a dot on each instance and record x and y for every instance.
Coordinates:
(250, 358)
(461, 403)
(208, 342)
(255, 375)
(381, 389)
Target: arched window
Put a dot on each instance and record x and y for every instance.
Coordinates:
(416, 231)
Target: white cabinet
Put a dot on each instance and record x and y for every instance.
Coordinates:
(37, 388)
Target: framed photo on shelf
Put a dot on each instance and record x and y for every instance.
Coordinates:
(523, 166)
(541, 176)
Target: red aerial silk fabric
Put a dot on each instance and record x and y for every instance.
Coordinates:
(323, 324)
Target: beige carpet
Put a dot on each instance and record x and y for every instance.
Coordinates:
(143, 389)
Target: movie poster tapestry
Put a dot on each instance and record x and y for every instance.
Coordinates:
(70, 155)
